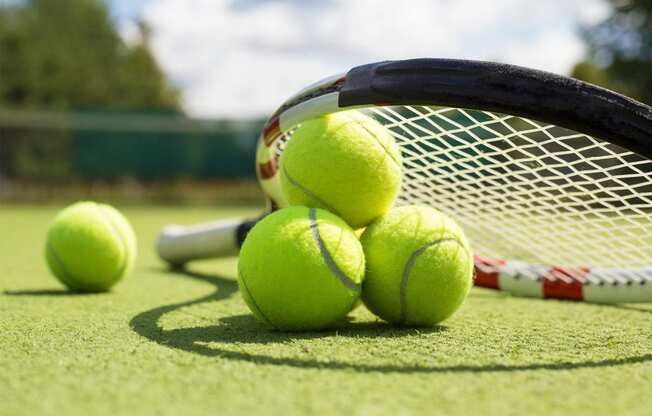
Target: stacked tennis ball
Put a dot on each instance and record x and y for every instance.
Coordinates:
(304, 268)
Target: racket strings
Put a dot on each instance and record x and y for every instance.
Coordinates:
(524, 189)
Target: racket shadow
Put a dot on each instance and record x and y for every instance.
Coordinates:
(245, 329)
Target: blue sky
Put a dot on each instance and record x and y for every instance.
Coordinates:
(242, 58)
(127, 9)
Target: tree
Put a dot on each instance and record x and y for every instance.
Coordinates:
(67, 54)
(620, 50)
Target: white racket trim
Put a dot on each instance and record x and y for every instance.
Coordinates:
(179, 244)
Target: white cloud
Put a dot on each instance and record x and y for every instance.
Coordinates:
(243, 58)
(129, 32)
(550, 51)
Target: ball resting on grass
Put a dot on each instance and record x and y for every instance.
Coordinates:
(344, 162)
(90, 247)
(301, 269)
(419, 266)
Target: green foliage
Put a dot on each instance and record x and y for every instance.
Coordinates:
(590, 72)
(44, 157)
(67, 54)
(620, 55)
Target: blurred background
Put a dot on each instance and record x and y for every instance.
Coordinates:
(161, 101)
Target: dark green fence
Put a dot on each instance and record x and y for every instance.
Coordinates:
(117, 145)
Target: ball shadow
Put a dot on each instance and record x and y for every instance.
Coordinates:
(244, 329)
(50, 293)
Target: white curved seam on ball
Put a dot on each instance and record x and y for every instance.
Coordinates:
(307, 192)
(408, 269)
(57, 259)
(326, 255)
(253, 300)
(398, 163)
(123, 243)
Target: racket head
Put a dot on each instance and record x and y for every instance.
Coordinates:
(550, 177)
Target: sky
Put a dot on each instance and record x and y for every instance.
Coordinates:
(242, 58)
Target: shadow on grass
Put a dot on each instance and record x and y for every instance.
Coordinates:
(244, 329)
(629, 308)
(481, 292)
(49, 292)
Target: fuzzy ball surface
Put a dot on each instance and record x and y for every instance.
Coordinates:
(301, 269)
(419, 266)
(90, 247)
(346, 162)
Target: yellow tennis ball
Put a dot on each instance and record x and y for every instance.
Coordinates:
(344, 162)
(419, 266)
(301, 269)
(90, 247)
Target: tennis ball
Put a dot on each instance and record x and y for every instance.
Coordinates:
(301, 269)
(90, 247)
(344, 162)
(419, 266)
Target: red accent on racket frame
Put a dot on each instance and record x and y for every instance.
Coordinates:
(565, 283)
(268, 169)
(271, 131)
(487, 272)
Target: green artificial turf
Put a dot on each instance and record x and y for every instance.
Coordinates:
(184, 343)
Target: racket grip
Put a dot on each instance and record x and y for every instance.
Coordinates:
(179, 244)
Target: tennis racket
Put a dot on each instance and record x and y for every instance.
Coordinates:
(550, 177)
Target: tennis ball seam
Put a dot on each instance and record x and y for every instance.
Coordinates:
(253, 300)
(371, 133)
(114, 229)
(408, 269)
(308, 193)
(66, 276)
(378, 142)
(326, 255)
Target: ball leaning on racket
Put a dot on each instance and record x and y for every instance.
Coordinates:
(90, 247)
(419, 266)
(345, 162)
(301, 269)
